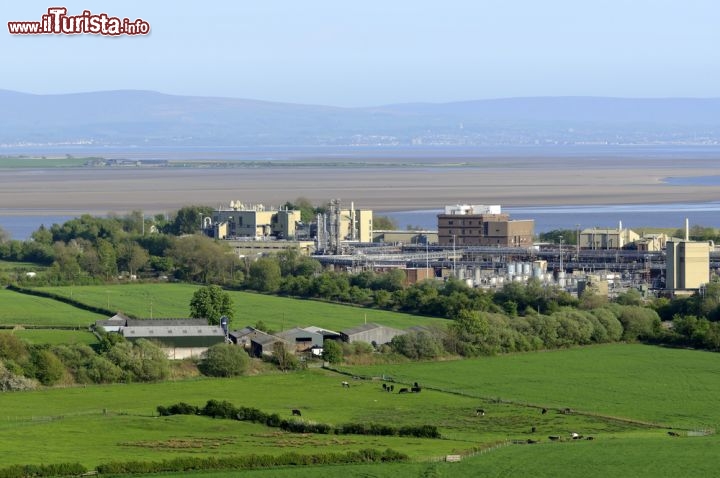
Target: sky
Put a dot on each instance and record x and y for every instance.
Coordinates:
(375, 52)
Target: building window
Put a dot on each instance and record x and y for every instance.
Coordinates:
(450, 223)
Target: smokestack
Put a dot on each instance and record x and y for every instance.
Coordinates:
(687, 229)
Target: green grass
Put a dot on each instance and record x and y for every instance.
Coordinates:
(668, 386)
(116, 422)
(658, 457)
(54, 337)
(278, 313)
(23, 309)
(41, 162)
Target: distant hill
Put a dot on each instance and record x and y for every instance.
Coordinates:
(129, 117)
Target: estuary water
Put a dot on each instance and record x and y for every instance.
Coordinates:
(636, 216)
(547, 218)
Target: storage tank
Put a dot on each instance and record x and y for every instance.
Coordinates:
(526, 268)
(511, 269)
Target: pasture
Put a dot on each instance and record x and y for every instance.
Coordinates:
(639, 382)
(278, 313)
(23, 309)
(54, 337)
(97, 424)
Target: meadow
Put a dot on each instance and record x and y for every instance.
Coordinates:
(54, 337)
(654, 384)
(23, 309)
(278, 313)
(119, 422)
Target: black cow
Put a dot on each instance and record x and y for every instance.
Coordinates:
(403, 390)
(479, 412)
(384, 386)
(544, 411)
(415, 389)
(296, 412)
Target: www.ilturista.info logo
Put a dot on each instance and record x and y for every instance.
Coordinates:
(57, 21)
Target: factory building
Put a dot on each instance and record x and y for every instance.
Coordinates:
(254, 220)
(595, 238)
(687, 265)
(479, 225)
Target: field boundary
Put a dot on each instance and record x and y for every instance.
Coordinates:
(61, 298)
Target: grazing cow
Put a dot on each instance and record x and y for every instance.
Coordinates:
(403, 390)
(384, 387)
(346, 385)
(567, 411)
(392, 388)
(544, 411)
(674, 434)
(479, 412)
(296, 412)
(415, 390)
(590, 438)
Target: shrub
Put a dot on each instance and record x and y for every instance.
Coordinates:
(224, 360)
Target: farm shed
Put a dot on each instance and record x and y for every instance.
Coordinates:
(370, 333)
(179, 338)
(302, 339)
(113, 324)
(262, 344)
(244, 336)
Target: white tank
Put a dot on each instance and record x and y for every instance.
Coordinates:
(511, 268)
(526, 268)
(478, 275)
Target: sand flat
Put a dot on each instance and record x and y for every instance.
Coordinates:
(524, 181)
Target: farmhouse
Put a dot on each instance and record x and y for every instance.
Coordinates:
(370, 333)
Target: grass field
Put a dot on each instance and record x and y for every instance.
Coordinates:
(54, 337)
(118, 420)
(660, 385)
(278, 313)
(41, 162)
(23, 309)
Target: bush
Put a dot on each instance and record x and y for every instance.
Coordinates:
(224, 360)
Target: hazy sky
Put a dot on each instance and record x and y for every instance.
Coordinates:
(372, 52)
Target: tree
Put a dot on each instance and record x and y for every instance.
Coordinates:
(284, 359)
(211, 302)
(224, 360)
(332, 351)
(384, 223)
(48, 367)
(264, 275)
(187, 219)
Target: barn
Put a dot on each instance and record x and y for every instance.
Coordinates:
(370, 333)
(179, 338)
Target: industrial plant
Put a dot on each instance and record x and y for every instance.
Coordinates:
(478, 244)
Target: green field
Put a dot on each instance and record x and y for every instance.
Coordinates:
(54, 337)
(41, 162)
(278, 313)
(117, 422)
(23, 309)
(654, 384)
